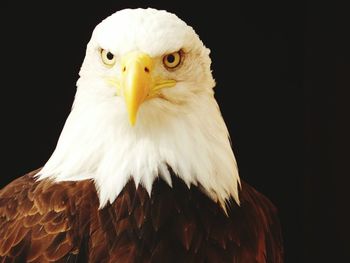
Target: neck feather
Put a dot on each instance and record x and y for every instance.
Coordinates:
(194, 143)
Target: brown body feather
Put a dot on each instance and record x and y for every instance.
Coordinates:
(60, 222)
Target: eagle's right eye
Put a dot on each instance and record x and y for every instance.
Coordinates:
(107, 57)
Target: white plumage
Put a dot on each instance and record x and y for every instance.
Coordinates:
(183, 128)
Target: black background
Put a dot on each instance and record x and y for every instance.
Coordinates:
(277, 66)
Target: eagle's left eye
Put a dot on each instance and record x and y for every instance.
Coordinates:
(172, 60)
(107, 57)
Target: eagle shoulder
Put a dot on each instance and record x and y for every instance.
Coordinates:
(257, 223)
(43, 221)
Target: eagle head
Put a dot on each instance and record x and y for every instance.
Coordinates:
(144, 105)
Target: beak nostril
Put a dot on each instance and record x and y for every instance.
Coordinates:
(124, 69)
(146, 69)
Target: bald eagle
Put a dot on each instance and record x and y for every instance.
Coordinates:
(143, 170)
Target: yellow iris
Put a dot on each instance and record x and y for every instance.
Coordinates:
(172, 60)
(107, 57)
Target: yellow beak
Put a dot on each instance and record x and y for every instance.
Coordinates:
(136, 81)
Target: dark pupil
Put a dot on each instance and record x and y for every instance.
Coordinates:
(110, 56)
(170, 58)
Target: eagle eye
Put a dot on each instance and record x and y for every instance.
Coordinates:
(172, 60)
(107, 57)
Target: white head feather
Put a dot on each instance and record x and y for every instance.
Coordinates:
(185, 131)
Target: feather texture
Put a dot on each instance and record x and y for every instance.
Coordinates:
(43, 221)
